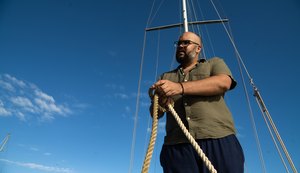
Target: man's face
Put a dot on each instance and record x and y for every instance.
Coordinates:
(187, 50)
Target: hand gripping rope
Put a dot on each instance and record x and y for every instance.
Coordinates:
(150, 149)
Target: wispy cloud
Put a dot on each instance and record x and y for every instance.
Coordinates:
(25, 100)
(3, 110)
(121, 95)
(15, 81)
(6, 86)
(34, 149)
(39, 166)
(129, 99)
(114, 86)
(47, 154)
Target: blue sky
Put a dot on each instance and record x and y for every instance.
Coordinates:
(69, 73)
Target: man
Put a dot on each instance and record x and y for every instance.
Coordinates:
(197, 88)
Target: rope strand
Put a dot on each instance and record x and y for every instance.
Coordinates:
(148, 157)
(149, 153)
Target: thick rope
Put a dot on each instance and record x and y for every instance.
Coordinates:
(148, 157)
(150, 149)
(192, 140)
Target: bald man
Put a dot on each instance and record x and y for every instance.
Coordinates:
(197, 87)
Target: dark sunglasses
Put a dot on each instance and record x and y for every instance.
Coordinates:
(185, 43)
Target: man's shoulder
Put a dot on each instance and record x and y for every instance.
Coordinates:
(169, 74)
(171, 71)
(215, 59)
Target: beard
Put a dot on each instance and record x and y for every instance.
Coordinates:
(185, 58)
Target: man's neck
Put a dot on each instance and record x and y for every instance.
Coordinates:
(188, 67)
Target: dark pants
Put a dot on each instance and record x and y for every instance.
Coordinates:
(225, 154)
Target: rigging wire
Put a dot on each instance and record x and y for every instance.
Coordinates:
(273, 138)
(4, 142)
(200, 31)
(151, 20)
(267, 114)
(232, 41)
(258, 97)
(139, 88)
(251, 115)
(137, 108)
(241, 64)
(254, 128)
(138, 95)
(3, 146)
(155, 78)
(157, 56)
(252, 119)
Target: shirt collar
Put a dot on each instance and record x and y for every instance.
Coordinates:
(198, 62)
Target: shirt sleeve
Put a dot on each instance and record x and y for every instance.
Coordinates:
(218, 66)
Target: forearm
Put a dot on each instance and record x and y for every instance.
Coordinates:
(213, 85)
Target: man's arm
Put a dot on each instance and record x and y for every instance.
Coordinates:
(213, 85)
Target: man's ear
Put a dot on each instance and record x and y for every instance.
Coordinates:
(198, 49)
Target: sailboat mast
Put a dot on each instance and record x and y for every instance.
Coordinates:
(184, 15)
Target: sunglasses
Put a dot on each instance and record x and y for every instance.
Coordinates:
(185, 43)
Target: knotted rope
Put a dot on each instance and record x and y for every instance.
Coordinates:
(148, 157)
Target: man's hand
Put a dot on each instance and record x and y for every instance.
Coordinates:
(166, 88)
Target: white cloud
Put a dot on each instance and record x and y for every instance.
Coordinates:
(22, 101)
(39, 166)
(47, 154)
(50, 107)
(21, 116)
(6, 85)
(25, 100)
(14, 80)
(3, 111)
(44, 96)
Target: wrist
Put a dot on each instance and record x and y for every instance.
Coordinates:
(182, 88)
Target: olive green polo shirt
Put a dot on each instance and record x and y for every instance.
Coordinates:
(204, 116)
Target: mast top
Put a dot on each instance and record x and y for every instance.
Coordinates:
(184, 14)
